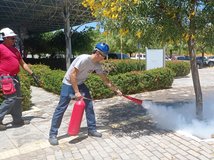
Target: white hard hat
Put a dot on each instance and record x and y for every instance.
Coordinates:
(7, 32)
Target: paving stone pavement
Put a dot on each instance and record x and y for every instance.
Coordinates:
(128, 130)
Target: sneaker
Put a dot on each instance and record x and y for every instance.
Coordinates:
(94, 134)
(21, 123)
(2, 127)
(53, 140)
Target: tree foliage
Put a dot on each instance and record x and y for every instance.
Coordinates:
(159, 22)
(54, 42)
(154, 23)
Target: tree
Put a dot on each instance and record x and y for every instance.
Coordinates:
(112, 14)
(81, 41)
(37, 44)
(163, 20)
(54, 42)
(205, 39)
(187, 18)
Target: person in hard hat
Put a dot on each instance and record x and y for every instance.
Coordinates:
(73, 86)
(10, 60)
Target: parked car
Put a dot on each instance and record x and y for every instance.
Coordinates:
(118, 56)
(183, 58)
(167, 58)
(210, 61)
(139, 56)
(201, 61)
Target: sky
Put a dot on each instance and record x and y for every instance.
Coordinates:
(92, 24)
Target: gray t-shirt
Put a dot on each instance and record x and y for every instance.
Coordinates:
(85, 65)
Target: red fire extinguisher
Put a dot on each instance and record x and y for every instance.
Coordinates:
(76, 117)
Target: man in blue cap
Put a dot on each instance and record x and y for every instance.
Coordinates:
(73, 86)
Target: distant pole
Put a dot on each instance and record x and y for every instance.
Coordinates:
(20, 44)
(121, 47)
(67, 31)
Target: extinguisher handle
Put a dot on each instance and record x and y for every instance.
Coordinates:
(75, 98)
(88, 98)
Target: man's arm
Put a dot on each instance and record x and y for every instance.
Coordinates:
(25, 66)
(108, 83)
(73, 80)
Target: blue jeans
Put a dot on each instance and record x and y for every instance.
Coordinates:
(12, 104)
(66, 93)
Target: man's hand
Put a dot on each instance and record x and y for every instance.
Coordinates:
(36, 79)
(78, 96)
(119, 93)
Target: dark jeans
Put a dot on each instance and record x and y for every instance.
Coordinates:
(12, 104)
(66, 93)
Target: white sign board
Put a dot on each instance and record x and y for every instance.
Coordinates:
(155, 58)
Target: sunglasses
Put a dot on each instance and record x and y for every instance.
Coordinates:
(12, 38)
(102, 54)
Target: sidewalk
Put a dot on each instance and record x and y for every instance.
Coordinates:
(128, 132)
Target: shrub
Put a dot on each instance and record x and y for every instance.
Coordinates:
(114, 67)
(132, 82)
(97, 88)
(25, 81)
(52, 80)
(129, 75)
(180, 68)
(157, 79)
(40, 71)
(129, 82)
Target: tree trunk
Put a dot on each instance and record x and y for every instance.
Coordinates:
(196, 80)
(67, 31)
(194, 68)
(121, 47)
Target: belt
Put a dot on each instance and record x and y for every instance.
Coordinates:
(7, 76)
(14, 75)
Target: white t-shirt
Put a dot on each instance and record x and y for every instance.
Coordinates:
(85, 65)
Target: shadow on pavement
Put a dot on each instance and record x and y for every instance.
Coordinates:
(29, 118)
(33, 117)
(128, 119)
(81, 137)
(78, 139)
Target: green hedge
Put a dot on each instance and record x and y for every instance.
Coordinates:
(115, 67)
(129, 75)
(25, 81)
(132, 82)
(180, 68)
(157, 79)
(140, 81)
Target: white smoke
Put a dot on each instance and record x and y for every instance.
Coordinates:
(182, 118)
